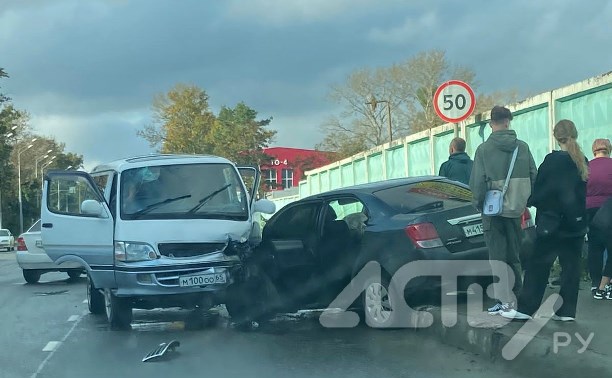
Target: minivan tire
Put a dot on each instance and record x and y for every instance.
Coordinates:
(118, 311)
(31, 276)
(95, 299)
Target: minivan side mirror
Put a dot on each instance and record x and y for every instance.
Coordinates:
(264, 206)
(92, 207)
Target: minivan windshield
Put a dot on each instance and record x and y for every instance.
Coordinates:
(183, 191)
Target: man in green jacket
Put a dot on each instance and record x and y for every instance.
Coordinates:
(458, 167)
(503, 233)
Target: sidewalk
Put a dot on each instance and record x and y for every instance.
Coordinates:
(488, 335)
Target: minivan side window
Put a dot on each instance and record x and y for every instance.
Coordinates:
(66, 194)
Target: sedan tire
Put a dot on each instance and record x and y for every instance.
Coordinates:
(31, 276)
(378, 303)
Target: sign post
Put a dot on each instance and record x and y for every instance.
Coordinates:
(454, 101)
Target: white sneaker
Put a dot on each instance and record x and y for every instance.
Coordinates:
(495, 310)
(563, 318)
(515, 315)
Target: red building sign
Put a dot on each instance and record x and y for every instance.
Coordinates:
(287, 166)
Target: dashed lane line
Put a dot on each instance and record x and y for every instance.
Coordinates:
(55, 345)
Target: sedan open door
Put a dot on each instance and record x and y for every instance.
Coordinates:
(77, 224)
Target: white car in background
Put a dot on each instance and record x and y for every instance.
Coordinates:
(7, 240)
(33, 260)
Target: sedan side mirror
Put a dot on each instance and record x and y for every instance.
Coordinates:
(264, 206)
(93, 208)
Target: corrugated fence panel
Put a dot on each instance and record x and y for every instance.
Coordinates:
(313, 181)
(375, 168)
(472, 139)
(592, 114)
(418, 158)
(346, 171)
(395, 162)
(531, 126)
(441, 144)
(360, 171)
(324, 181)
(304, 189)
(334, 178)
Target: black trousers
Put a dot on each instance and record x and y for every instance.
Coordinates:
(569, 251)
(598, 242)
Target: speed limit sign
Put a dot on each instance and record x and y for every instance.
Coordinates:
(454, 101)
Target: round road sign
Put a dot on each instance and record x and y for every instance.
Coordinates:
(454, 101)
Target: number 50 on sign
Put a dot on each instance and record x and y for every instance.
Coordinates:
(454, 101)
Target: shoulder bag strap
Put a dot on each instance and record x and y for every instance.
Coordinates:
(510, 171)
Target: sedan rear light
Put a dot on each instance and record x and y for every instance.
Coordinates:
(526, 220)
(424, 235)
(21, 245)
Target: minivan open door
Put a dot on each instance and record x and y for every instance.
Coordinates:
(77, 225)
(251, 177)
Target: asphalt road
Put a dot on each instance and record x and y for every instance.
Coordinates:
(46, 331)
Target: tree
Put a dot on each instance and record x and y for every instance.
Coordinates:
(239, 136)
(182, 121)
(408, 88)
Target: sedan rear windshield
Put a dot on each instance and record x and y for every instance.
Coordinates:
(4, 233)
(424, 196)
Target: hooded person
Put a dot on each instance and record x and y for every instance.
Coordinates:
(503, 232)
(458, 167)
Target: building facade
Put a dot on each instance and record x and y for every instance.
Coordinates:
(287, 166)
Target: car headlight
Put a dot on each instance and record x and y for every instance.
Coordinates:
(131, 251)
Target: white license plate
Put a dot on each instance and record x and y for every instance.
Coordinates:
(202, 279)
(473, 230)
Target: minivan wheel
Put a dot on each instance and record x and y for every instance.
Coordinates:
(118, 311)
(95, 299)
(31, 276)
(378, 303)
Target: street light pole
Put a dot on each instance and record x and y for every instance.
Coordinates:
(374, 103)
(40, 159)
(19, 183)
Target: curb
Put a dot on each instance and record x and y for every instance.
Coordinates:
(538, 358)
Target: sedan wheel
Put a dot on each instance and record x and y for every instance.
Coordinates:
(378, 305)
(31, 276)
(118, 311)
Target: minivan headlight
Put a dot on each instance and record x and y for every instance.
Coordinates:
(131, 251)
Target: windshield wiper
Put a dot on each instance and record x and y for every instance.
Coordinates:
(203, 201)
(158, 204)
(428, 206)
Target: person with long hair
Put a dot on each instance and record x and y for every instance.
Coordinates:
(559, 196)
(599, 189)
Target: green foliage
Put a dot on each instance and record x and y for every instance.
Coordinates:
(183, 123)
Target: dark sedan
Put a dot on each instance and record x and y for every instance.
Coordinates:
(313, 248)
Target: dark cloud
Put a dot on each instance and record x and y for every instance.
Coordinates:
(98, 64)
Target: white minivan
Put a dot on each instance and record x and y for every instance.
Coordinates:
(154, 231)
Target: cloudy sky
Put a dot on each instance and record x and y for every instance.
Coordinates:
(87, 70)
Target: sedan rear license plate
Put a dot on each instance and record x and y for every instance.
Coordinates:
(473, 230)
(202, 279)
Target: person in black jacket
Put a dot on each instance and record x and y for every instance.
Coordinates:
(458, 167)
(561, 222)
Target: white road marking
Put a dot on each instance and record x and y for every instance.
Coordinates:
(51, 346)
(85, 301)
(73, 318)
(42, 364)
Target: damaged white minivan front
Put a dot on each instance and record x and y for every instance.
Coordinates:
(154, 231)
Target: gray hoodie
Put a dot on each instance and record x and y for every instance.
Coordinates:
(491, 164)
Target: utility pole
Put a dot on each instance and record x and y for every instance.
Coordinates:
(374, 103)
